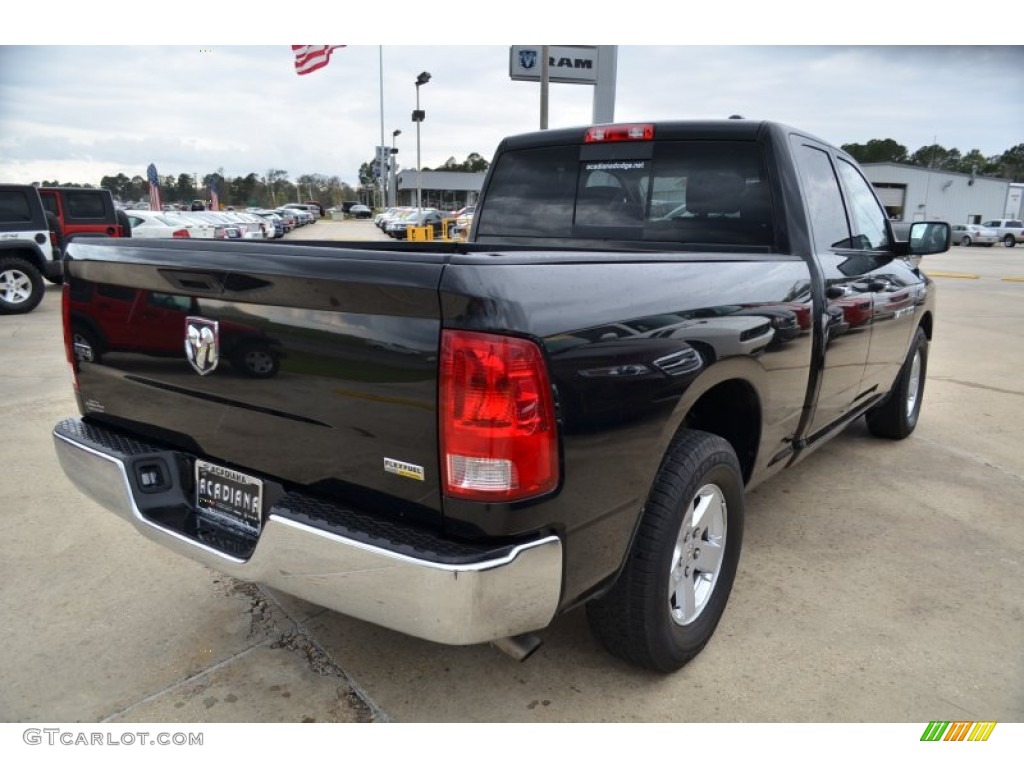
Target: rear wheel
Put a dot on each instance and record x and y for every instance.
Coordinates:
(676, 581)
(965, 240)
(254, 359)
(21, 286)
(897, 417)
(1009, 241)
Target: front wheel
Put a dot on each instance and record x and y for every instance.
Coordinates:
(676, 581)
(897, 416)
(21, 286)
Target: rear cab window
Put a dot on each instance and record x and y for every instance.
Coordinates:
(690, 192)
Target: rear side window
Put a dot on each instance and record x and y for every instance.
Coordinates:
(824, 199)
(531, 193)
(14, 206)
(84, 205)
(694, 192)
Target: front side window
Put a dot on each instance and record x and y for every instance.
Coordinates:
(870, 232)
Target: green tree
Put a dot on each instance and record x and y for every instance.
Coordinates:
(877, 151)
(937, 157)
(118, 185)
(368, 173)
(275, 181)
(222, 187)
(185, 188)
(138, 189)
(1010, 164)
(244, 189)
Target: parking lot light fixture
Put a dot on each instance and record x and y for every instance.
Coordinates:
(417, 117)
(392, 178)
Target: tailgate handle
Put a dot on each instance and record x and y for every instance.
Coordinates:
(193, 282)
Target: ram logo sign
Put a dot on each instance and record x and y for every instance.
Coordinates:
(566, 64)
(202, 344)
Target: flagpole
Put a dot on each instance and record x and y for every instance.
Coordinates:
(380, 150)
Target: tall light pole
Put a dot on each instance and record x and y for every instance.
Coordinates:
(417, 117)
(392, 179)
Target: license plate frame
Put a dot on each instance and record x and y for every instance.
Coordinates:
(229, 496)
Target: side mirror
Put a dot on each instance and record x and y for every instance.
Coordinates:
(926, 238)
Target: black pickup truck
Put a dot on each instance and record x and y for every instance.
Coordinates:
(463, 441)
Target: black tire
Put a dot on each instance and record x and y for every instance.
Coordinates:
(670, 596)
(57, 230)
(1009, 241)
(85, 345)
(124, 221)
(255, 360)
(965, 241)
(21, 286)
(897, 416)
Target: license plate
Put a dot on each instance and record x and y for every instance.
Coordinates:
(229, 496)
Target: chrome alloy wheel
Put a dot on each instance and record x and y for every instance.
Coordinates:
(697, 557)
(15, 286)
(913, 384)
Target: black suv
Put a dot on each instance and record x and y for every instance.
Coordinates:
(28, 249)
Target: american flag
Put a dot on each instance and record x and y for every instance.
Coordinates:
(154, 188)
(214, 197)
(309, 58)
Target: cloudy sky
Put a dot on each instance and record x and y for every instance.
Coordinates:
(77, 113)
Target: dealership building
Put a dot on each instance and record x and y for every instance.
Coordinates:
(444, 190)
(912, 193)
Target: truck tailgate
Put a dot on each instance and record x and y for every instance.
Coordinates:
(325, 369)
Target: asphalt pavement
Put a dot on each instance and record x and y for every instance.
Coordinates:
(879, 582)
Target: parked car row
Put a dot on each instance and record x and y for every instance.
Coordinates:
(251, 224)
(974, 234)
(397, 225)
(395, 222)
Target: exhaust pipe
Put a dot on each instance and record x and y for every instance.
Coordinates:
(520, 647)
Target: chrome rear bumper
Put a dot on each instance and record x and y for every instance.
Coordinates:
(503, 592)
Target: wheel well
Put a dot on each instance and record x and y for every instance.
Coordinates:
(30, 255)
(732, 411)
(926, 325)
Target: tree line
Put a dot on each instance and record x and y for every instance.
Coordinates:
(267, 190)
(1008, 165)
(274, 187)
(271, 189)
(474, 163)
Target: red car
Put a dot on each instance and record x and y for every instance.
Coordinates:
(109, 318)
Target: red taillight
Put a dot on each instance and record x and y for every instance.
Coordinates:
(180, 233)
(497, 418)
(624, 132)
(69, 346)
